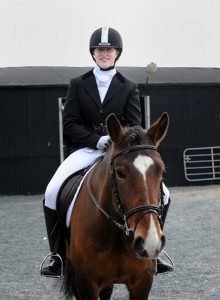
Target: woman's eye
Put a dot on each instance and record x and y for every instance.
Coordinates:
(120, 174)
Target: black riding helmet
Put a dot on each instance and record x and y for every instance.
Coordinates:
(106, 37)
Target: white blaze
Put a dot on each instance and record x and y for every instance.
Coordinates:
(143, 163)
(152, 242)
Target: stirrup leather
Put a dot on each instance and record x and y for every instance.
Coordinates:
(52, 256)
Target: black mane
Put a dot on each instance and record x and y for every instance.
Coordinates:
(134, 135)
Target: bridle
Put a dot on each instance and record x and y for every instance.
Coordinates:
(126, 214)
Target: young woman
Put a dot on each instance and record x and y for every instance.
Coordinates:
(90, 99)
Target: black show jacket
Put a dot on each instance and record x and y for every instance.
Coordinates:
(84, 115)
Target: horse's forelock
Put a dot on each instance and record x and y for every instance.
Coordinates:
(134, 135)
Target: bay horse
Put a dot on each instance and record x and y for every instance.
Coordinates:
(115, 230)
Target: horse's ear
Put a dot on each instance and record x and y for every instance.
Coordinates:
(158, 129)
(114, 127)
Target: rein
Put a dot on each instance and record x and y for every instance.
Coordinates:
(92, 195)
(126, 214)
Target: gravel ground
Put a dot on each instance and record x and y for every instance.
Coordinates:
(192, 233)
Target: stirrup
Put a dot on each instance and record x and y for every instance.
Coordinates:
(155, 265)
(52, 255)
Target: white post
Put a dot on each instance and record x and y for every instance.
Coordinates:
(151, 69)
(147, 111)
(60, 111)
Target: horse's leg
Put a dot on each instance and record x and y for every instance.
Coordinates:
(139, 292)
(141, 288)
(69, 281)
(106, 293)
(86, 287)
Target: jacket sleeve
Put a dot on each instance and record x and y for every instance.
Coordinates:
(73, 128)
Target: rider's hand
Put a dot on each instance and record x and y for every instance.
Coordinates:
(103, 142)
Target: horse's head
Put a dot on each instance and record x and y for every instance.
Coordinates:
(136, 176)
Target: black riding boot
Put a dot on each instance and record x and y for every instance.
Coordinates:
(56, 238)
(162, 266)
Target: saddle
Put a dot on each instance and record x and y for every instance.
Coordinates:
(67, 192)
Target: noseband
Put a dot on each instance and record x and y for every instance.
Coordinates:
(126, 214)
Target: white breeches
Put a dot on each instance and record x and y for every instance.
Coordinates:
(166, 194)
(79, 159)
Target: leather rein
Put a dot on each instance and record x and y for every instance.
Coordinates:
(126, 214)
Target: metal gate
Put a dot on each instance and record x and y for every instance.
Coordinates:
(202, 163)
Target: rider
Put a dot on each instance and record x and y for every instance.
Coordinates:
(91, 97)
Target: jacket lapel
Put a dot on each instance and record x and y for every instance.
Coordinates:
(115, 86)
(91, 87)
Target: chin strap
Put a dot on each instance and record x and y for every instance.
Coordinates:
(108, 69)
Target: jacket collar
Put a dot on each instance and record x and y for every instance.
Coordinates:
(91, 86)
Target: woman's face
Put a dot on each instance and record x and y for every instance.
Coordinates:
(105, 57)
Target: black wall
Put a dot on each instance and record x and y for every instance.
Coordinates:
(29, 135)
(194, 122)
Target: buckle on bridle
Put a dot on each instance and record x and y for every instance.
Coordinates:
(127, 230)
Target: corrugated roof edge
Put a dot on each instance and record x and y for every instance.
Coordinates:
(60, 76)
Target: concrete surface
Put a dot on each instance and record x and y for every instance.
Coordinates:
(193, 242)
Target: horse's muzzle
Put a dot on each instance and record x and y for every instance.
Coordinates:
(145, 251)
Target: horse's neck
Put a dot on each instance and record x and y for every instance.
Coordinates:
(101, 182)
(103, 191)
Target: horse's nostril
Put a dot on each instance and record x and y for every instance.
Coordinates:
(138, 246)
(138, 243)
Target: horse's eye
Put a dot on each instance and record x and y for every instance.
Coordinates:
(120, 174)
